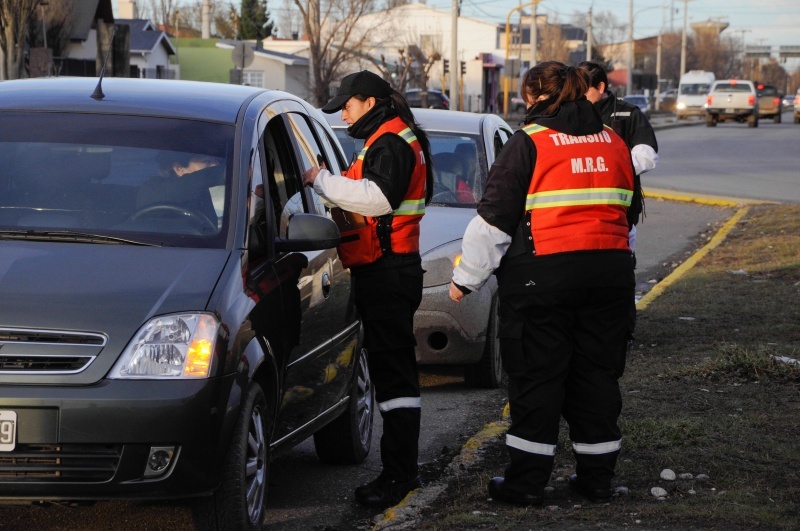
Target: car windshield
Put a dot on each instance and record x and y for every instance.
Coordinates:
(459, 164)
(136, 178)
(693, 89)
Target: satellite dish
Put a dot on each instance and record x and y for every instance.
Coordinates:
(242, 55)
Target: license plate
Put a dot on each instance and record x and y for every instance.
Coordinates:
(8, 430)
(730, 111)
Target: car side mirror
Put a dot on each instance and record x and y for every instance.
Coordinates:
(308, 232)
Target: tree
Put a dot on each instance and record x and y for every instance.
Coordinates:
(334, 38)
(551, 45)
(14, 17)
(255, 20)
(227, 23)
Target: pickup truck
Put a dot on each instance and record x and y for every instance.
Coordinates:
(732, 99)
(770, 104)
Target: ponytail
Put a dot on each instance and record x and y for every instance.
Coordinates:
(556, 81)
(400, 105)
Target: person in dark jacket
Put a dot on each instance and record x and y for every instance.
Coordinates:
(552, 225)
(382, 199)
(629, 122)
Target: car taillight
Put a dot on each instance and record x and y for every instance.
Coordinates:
(776, 101)
(708, 100)
(445, 103)
(751, 100)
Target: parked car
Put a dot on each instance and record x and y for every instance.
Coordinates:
(788, 102)
(640, 101)
(162, 351)
(517, 105)
(770, 104)
(667, 100)
(435, 99)
(463, 146)
(732, 99)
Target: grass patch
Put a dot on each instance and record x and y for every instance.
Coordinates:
(703, 394)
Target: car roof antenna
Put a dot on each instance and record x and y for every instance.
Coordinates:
(98, 90)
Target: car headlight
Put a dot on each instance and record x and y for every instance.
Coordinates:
(439, 262)
(170, 346)
(681, 106)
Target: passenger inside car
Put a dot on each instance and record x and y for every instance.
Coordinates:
(451, 178)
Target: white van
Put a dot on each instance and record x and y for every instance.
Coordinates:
(692, 92)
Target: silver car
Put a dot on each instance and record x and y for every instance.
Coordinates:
(464, 146)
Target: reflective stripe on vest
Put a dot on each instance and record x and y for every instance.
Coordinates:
(580, 196)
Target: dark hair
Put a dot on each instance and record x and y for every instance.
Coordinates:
(557, 82)
(597, 72)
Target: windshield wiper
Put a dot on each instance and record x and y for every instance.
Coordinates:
(70, 236)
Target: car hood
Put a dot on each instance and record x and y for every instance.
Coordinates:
(110, 290)
(441, 225)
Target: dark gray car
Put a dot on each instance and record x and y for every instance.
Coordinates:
(163, 334)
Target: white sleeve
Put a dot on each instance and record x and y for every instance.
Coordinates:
(644, 158)
(481, 251)
(362, 197)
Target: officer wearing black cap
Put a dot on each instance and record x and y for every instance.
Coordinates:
(382, 197)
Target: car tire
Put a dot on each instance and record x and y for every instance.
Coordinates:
(488, 372)
(240, 500)
(348, 438)
(711, 121)
(777, 118)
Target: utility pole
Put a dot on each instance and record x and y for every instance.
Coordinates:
(629, 84)
(506, 77)
(454, 93)
(683, 37)
(589, 35)
(534, 38)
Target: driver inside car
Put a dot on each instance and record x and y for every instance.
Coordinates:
(184, 181)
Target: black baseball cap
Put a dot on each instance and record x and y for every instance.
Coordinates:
(363, 83)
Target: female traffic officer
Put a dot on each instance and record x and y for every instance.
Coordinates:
(383, 196)
(552, 226)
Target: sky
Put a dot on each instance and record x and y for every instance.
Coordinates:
(761, 22)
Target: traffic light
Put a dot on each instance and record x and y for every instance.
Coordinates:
(446, 66)
(463, 68)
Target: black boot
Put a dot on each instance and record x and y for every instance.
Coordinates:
(385, 492)
(500, 492)
(595, 493)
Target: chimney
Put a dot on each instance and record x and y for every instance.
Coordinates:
(206, 19)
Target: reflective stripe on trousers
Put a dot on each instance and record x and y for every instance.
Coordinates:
(402, 402)
(530, 447)
(597, 448)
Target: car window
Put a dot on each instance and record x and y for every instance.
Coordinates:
(692, 89)
(732, 87)
(133, 177)
(458, 168)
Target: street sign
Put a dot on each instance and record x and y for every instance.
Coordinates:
(242, 55)
(789, 51)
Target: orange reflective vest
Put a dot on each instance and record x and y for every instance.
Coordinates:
(580, 191)
(363, 244)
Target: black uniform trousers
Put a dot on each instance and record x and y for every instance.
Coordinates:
(387, 294)
(562, 329)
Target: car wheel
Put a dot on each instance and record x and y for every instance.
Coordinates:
(488, 372)
(711, 121)
(777, 118)
(239, 501)
(347, 439)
